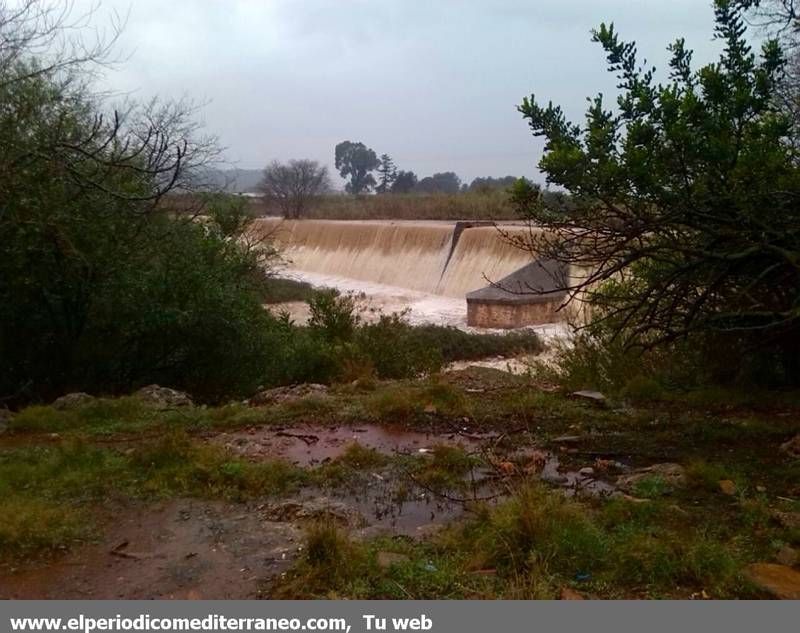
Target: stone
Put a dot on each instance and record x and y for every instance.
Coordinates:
(429, 530)
(787, 556)
(792, 447)
(164, 397)
(430, 409)
(673, 475)
(389, 559)
(279, 395)
(72, 400)
(727, 487)
(779, 581)
(321, 508)
(593, 396)
(570, 594)
(588, 471)
(789, 520)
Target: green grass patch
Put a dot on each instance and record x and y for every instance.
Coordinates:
(281, 290)
(445, 468)
(45, 490)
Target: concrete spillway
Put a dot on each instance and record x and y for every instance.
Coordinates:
(437, 258)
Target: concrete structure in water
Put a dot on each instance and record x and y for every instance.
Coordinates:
(528, 296)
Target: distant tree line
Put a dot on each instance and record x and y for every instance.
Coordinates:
(293, 185)
(356, 162)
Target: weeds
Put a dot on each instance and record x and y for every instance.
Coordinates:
(493, 205)
(44, 490)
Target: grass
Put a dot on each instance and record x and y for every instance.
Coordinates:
(47, 493)
(464, 206)
(681, 541)
(534, 545)
(455, 344)
(445, 468)
(281, 290)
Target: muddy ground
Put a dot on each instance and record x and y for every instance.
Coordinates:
(402, 461)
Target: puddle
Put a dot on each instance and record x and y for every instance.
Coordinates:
(312, 445)
(388, 499)
(179, 549)
(576, 482)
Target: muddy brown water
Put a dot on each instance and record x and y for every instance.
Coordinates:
(202, 549)
(388, 501)
(313, 445)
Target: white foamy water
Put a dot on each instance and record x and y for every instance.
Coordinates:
(423, 308)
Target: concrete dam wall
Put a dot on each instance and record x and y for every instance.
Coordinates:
(439, 258)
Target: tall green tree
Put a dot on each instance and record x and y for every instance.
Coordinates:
(404, 182)
(445, 182)
(356, 161)
(686, 196)
(387, 173)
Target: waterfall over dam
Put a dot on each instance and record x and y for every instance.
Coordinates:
(439, 258)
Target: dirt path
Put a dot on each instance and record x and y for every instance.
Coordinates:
(192, 549)
(181, 549)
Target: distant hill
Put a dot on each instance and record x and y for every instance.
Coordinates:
(235, 180)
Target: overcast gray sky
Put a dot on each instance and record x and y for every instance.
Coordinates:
(432, 83)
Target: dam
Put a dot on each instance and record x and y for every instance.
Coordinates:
(444, 264)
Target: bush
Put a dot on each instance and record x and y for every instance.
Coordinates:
(596, 359)
(396, 349)
(135, 301)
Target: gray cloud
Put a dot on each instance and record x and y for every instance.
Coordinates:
(434, 84)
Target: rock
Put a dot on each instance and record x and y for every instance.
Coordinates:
(778, 580)
(673, 475)
(388, 559)
(321, 508)
(789, 520)
(787, 556)
(279, 395)
(430, 409)
(588, 471)
(761, 489)
(727, 487)
(429, 529)
(570, 594)
(592, 396)
(792, 447)
(72, 400)
(164, 397)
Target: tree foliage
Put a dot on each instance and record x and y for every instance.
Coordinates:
(404, 182)
(686, 194)
(104, 284)
(356, 161)
(446, 182)
(488, 184)
(387, 173)
(294, 184)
